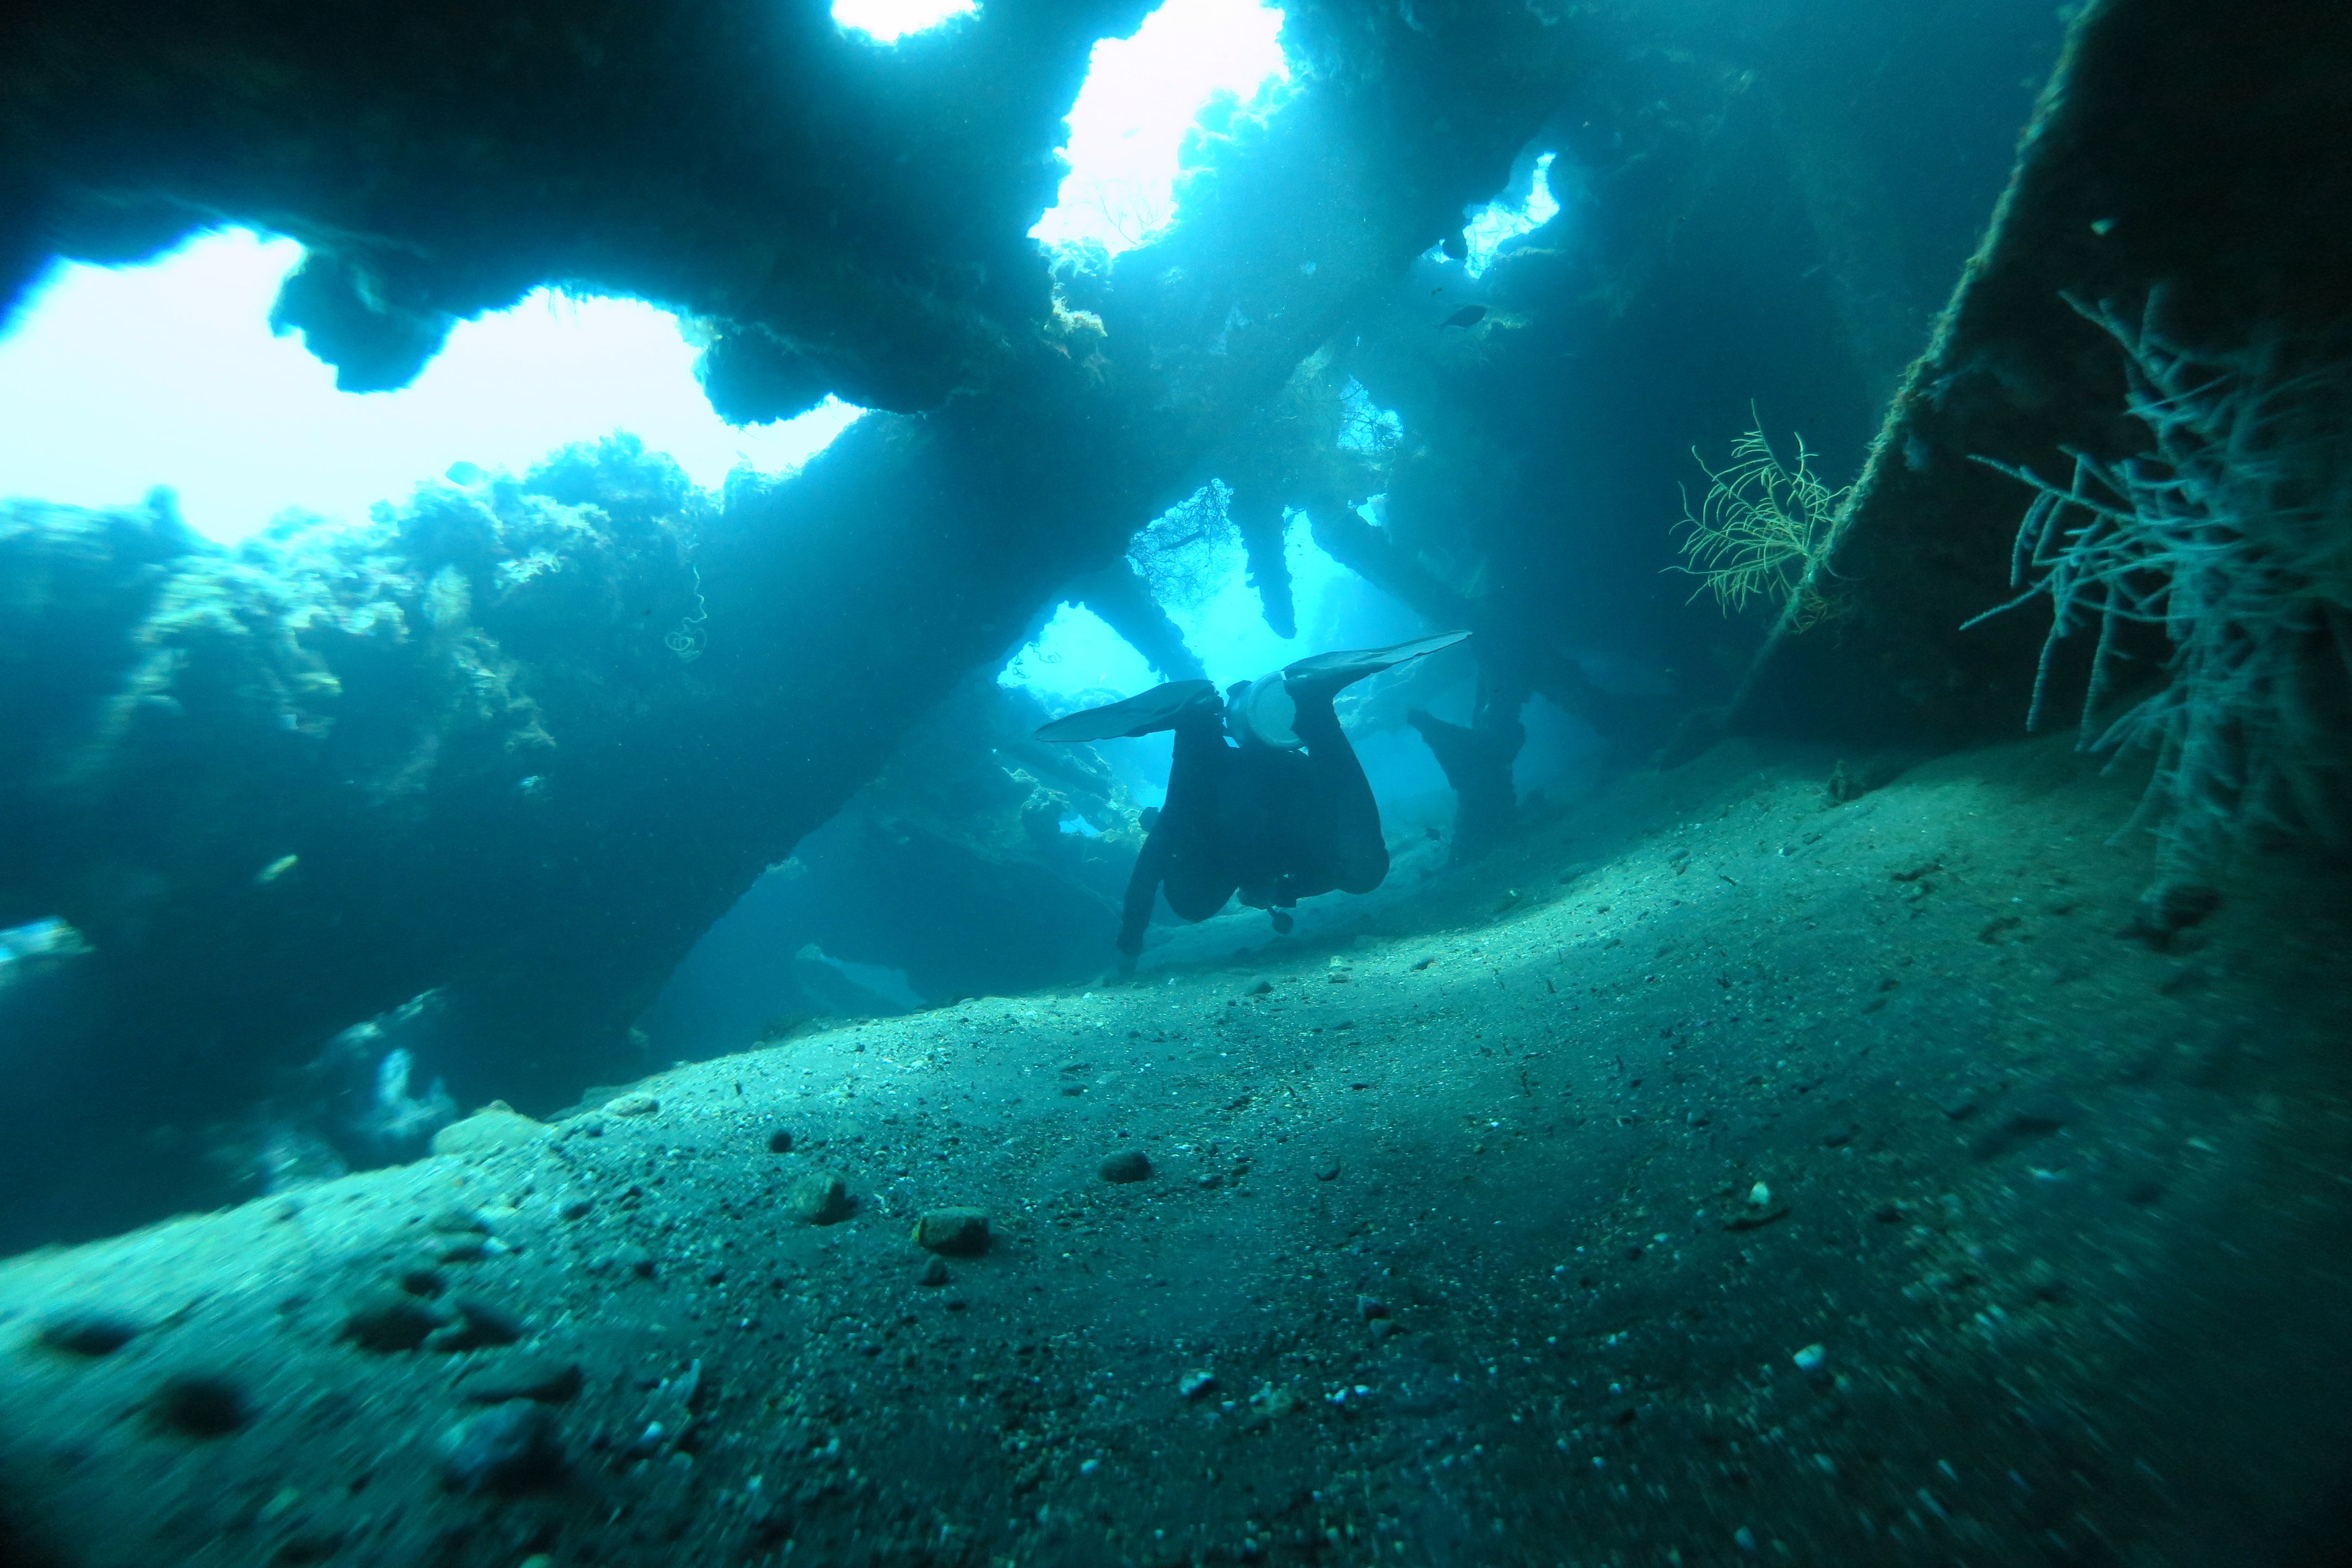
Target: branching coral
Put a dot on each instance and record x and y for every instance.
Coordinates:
(1179, 553)
(2233, 534)
(1761, 529)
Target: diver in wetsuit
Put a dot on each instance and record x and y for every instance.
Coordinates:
(1281, 814)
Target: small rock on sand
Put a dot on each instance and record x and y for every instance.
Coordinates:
(391, 1320)
(546, 1379)
(1127, 1165)
(200, 1404)
(497, 1126)
(821, 1197)
(511, 1448)
(959, 1232)
(88, 1332)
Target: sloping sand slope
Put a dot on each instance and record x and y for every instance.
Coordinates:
(1502, 1231)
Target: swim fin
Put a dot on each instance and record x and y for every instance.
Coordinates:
(1157, 709)
(1267, 709)
(1327, 672)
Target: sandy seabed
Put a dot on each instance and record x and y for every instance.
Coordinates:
(1712, 1175)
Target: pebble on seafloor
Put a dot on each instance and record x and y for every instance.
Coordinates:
(480, 1326)
(547, 1380)
(496, 1126)
(508, 1449)
(1127, 1165)
(388, 1320)
(200, 1404)
(821, 1197)
(1193, 1384)
(959, 1232)
(88, 1332)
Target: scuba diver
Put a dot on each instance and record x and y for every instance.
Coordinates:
(1266, 797)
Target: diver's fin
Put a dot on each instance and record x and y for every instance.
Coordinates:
(1266, 708)
(1139, 715)
(1327, 672)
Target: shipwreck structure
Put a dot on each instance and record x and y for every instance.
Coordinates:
(524, 740)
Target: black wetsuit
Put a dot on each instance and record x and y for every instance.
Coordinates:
(1271, 824)
(1283, 815)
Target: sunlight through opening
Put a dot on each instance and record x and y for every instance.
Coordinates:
(1077, 654)
(1142, 95)
(1502, 221)
(115, 380)
(887, 21)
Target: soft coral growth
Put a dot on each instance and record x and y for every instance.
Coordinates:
(2233, 534)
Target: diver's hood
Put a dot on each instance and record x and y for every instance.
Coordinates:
(1157, 709)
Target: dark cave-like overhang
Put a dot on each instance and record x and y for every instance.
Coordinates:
(847, 217)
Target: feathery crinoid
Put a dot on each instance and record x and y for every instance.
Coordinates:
(1761, 528)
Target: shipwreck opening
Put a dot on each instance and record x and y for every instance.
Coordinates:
(120, 379)
(1514, 214)
(1143, 98)
(887, 21)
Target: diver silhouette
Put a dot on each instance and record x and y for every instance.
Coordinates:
(1266, 797)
